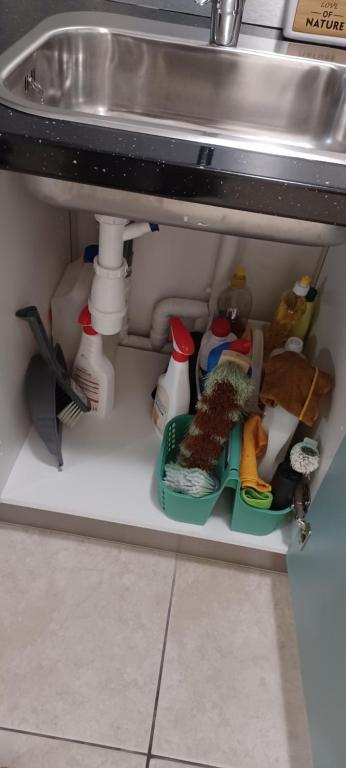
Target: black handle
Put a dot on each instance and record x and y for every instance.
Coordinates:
(32, 315)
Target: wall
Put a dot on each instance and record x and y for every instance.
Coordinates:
(31, 264)
(177, 262)
(264, 12)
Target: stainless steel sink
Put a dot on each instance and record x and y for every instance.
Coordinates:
(161, 79)
(81, 67)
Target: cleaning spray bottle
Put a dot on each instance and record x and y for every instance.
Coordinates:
(92, 370)
(173, 389)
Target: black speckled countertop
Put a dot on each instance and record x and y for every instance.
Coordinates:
(157, 165)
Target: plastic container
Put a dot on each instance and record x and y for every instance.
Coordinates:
(173, 390)
(302, 326)
(290, 310)
(68, 301)
(92, 370)
(220, 330)
(256, 522)
(180, 506)
(293, 344)
(235, 302)
(279, 424)
(188, 509)
(284, 484)
(241, 346)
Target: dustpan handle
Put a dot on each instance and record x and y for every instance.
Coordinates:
(32, 315)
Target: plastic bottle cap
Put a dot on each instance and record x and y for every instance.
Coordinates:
(183, 343)
(238, 279)
(221, 327)
(294, 344)
(301, 287)
(85, 320)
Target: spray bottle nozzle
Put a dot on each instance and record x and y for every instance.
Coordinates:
(183, 343)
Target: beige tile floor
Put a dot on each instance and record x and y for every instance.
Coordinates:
(120, 657)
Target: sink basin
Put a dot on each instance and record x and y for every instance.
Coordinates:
(164, 80)
(89, 68)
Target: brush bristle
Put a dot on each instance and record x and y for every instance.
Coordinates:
(230, 373)
(70, 414)
(304, 459)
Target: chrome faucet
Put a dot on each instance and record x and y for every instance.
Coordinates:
(226, 18)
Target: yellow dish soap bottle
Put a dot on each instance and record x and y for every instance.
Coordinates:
(302, 327)
(290, 310)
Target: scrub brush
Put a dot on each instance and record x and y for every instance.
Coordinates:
(305, 457)
(71, 402)
(226, 391)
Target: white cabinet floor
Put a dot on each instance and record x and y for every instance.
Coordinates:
(120, 657)
(109, 468)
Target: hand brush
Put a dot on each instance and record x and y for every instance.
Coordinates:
(226, 391)
(305, 457)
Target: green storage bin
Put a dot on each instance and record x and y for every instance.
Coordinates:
(188, 509)
(180, 506)
(258, 522)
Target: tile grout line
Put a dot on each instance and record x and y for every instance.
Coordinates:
(164, 646)
(68, 740)
(179, 761)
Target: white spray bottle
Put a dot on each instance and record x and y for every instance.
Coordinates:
(173, 389)
(92, 370)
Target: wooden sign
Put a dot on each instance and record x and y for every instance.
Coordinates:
(321, 17)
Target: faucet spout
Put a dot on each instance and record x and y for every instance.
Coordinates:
(226, 18)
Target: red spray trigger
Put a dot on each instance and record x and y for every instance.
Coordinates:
(84, 319)
(183, 344)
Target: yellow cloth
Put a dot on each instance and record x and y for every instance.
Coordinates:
(254, 443)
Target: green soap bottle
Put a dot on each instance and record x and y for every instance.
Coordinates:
(302, 325)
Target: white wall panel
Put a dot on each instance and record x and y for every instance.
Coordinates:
(267, 13)
(177, 262)
(35, 243)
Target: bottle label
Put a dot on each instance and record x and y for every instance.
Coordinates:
(323, 17)
(160, 409)
(89, 385)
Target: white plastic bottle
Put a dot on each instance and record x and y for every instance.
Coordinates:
(173, 388)
(69, 299)
(92, 370)
(219, 331)
(279, 424)
(293, 344)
